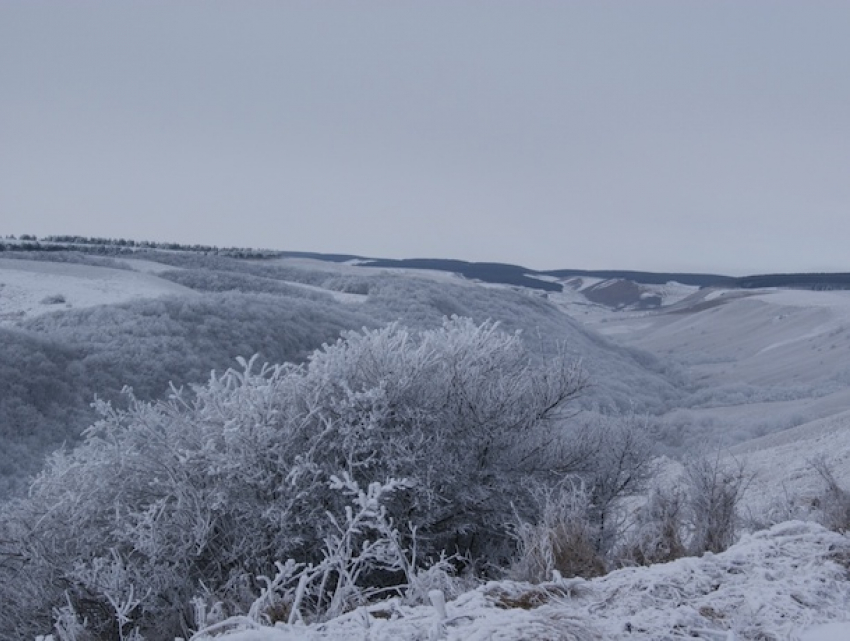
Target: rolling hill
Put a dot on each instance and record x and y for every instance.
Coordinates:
(756, 366)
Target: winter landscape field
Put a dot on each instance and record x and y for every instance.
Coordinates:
(263, 447)
(424, 321)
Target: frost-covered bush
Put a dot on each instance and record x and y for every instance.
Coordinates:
(833, 505)
(616, 463)
(689, 514)
(659, 534)
(580, 519)
(714, 490)
(204, 492)
(462, 410)
(563, 540)
(53, 365)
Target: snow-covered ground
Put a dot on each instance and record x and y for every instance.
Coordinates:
(789, 582)
(357, 267)
(763, 337)
(30, 288)
(761, 360)
(342, 297)
(839, 631)
(786, 482)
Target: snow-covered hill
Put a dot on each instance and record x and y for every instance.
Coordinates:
(759, 361)
(767, 371)
(770, 371)
(760, 337)
(29, 288)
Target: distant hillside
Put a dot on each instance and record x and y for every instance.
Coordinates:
(75, 324)
(485, 272)
(497, 273)
(508, 274)
(517, 275)
(648, 278)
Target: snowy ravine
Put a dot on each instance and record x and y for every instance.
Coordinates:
(791, 582)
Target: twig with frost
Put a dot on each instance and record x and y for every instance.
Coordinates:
(269, 592)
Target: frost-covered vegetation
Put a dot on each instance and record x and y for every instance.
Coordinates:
(53, 365)
(51, 368)
(200, 495)
(395, 442)
(386, 463)
(782, 583)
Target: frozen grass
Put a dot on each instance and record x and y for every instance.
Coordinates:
(786, 583)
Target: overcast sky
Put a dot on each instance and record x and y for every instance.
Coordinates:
(681, 135)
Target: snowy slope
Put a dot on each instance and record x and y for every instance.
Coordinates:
(617, 293)
(786, 482)
(758, 361)
(30, 288)
(765, 337)
(354, 268)
(771, 369)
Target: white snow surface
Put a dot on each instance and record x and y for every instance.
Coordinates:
(791, 582)
(759, 337)
(30, 288)
(828, 632)
(793, 345)
(785, 480)
(358, 267)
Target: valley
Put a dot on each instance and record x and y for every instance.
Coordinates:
(758, 378)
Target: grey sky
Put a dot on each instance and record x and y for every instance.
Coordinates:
(680, 135)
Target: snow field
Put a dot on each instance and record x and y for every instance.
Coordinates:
(29, 288)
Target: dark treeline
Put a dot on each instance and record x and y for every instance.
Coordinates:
(796, 281)
(119, 246)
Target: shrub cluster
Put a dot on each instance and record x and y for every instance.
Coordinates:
(203, 493)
